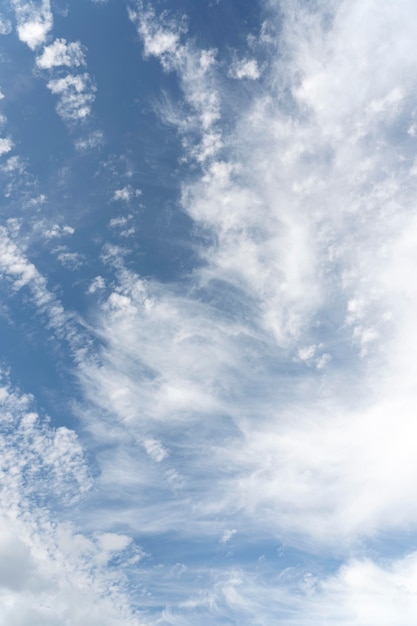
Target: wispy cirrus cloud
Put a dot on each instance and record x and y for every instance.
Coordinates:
(269, 393)
(301, 309)
(163, 38)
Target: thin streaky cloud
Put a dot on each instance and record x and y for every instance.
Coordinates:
(213, 299)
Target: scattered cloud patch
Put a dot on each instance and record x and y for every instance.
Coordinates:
(13, 164)
(118, 222)
(50, 563)
(37, 201)
(245, 68)
(76, 95)
(97, 284)
(34, 21)
(5, 26)
(57, 231)
(6, 144)
(93, 140)
(61, 53)
(126, 194)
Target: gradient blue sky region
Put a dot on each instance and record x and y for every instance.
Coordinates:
(207, 313)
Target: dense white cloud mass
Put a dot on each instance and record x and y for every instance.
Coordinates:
(253, 417)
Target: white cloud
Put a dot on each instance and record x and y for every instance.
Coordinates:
(227, 535)
(6, 145)
(96, 284)
(61, 53)
(245, 68)
(34, 21)
(76, 91)
(93, 140)
(56, 230)
(5, 26)
(160, 41)
(307, 213)
(196, 70)
(362, 593)
(118, 222)
(17, 270)
(155, 449)
(70, 260)
(12, 164)
(272, 391)
(76, 95)
(49, 571)
(126, 194)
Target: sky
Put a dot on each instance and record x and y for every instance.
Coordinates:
(208, 312)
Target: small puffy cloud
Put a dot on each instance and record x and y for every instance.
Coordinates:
(126, 194)
(246, 68)
(33, 33)
(6, 145)
(70, 260)
(34, 22)
(61, 53)
(13, 164)
(76, 95)
(160, 39)
(58, 231)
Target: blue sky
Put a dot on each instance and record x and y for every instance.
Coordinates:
(207, 313)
